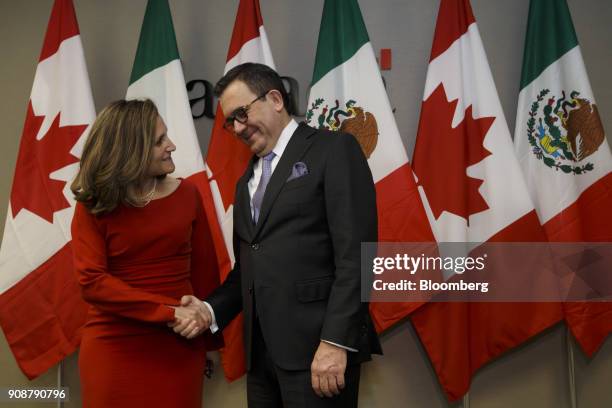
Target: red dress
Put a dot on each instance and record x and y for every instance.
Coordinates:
(132, 264)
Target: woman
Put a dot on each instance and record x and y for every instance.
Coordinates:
(138, 238)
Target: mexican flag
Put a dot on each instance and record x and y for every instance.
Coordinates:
(157, 74)
(226, 161)
(41, 310)
(348, 95)
(563, 151)
(473, 191)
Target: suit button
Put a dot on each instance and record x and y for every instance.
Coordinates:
(255, 247)
(250, 290)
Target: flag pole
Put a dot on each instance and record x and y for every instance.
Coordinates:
(570, 368)
(466, 400)
(60, 369)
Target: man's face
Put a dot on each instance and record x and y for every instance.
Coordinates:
(161, 152)
(264, 124)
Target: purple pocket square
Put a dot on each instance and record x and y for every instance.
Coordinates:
(299, 170)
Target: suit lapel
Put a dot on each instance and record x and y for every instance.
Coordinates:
(297, 146)
(242, 207)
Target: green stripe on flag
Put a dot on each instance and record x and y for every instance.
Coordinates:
(157, 44)
(342, 33)
(550, 34)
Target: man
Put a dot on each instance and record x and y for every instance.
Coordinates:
(301, 210)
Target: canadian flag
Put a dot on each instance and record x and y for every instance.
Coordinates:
(41, 311)
(226, 161)
(473, 191)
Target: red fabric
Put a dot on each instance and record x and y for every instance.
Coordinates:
(33, 189)
(132, 264)
(587, 220)
(220, 252)
(233, 359)
(246, 27)
(459, 146)
(454, 18)
(462, 337)
(227, 159)
(43, 314)
(62, 25)
(401, 218)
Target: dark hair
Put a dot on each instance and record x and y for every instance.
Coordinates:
(116, 155)
(259, 78)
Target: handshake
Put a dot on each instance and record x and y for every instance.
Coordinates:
(191, 318)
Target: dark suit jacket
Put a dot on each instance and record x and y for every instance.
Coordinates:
(298, 269)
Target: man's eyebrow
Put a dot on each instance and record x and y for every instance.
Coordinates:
(232, 113)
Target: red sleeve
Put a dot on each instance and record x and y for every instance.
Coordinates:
(204, 265)
(103, 290)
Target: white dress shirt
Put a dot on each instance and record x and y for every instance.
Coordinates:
(279, 149)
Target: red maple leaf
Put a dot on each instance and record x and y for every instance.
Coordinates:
(33, 189)
(443, 153)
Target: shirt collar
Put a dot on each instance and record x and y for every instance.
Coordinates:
(285, 136)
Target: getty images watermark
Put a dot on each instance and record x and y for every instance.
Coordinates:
(424, 264)
(486, 272)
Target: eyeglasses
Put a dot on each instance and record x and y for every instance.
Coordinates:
(241, 114)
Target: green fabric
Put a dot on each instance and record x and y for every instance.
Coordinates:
(342, 33)
(550, 34)
(157, 44)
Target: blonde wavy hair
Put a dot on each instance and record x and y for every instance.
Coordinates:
(116, 155)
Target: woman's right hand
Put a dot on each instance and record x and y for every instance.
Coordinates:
(191, 320)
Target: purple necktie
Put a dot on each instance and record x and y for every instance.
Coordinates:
(263, 183)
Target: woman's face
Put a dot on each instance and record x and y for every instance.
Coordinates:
(161, 153)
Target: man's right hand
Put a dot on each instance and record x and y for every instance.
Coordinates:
(191, 318)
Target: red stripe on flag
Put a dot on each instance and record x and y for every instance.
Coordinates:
(62, 25)
(587, 220)
(201, 182)
(232, 335)
(401, 215)
(454, 18)
(401, 218)
(42, 315)
(227, 158)
(246, 26)
(233, 358)
(525, 229)
(590, 323)
(462, 337)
